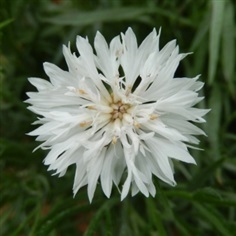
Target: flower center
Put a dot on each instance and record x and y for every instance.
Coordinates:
(119, 109)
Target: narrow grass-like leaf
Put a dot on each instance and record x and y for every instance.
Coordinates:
(202, 30)
(108, 229)
(214, 218)
(182, 226)
(231, 163)
(125, 228)
(164, 201)
(5, 23)
(200, 61)
(79, 18)
(217, 17)
(36, 220)
(136, 221)
(214, 197)
(155, 217)
(214, 119)
(48, 224)
(99, 213)
(203, 175)
(206, 195)
(25, 222)
(228, 42)
(6, 214)
(102, 15)
(179, 194)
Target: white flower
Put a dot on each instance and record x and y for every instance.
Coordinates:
(118, 114)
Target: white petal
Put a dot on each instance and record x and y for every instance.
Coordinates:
(107, 172)
(80, 175)
(58, 77)
(72, 62)
(40, 84)
(126, 186)
(106, 61)
(94, 169)
(161, 159)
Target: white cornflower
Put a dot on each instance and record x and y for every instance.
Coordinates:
(118, 114)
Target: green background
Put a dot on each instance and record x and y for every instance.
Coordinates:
(32, 202)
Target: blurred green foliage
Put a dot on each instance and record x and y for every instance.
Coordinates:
(34, 203)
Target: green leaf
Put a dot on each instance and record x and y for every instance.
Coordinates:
(201, 33)
(5, 23)
(136, 222)
(6, 213)
(203, 175)
(205, 195)
(82, 18)
(125, 228)
(95, 221)
(228, 43)
(213, 217)
(62, 212)
(182, 225)
(27, 220)
(213, 119)
(211, 196)
(217, 18)
(155, 217)
(102, 15)
(108, 229)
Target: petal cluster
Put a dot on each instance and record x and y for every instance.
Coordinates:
(119, 114)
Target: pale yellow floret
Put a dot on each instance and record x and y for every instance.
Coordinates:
(82, 92)
(119, 109)
(91, 107)
(153, 116)
(114, 140)
(85, 123)
(137, 125)
(128, 91)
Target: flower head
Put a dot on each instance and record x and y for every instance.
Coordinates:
(118, 114)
